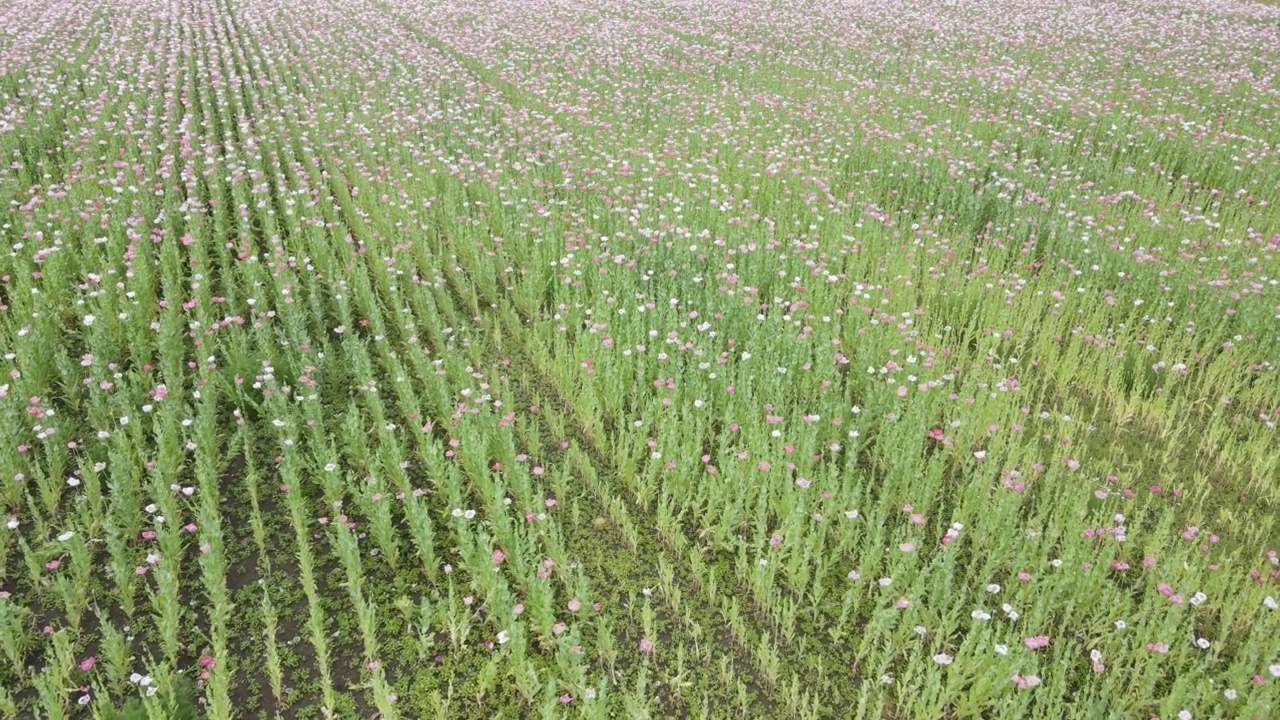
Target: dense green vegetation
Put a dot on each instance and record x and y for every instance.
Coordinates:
(448, 359)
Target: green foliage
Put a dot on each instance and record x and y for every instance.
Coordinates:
(470, 360)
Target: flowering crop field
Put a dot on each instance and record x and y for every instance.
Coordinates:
(627, 359)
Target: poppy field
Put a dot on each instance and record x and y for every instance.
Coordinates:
(618, 359)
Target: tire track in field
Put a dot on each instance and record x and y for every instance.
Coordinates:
(755, 641)
(759, 639)
(518, 97)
